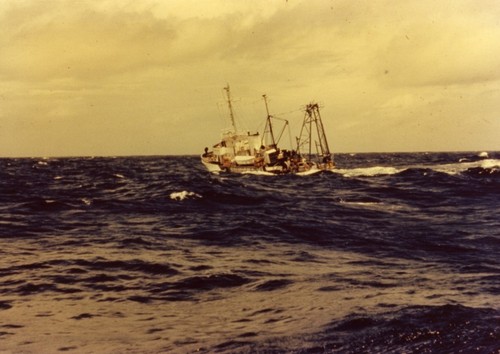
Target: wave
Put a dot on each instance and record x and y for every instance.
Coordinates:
(209, 282)
(275, 284)
(413, 329)
(368, 171)
(446, 328)
(47, 205)
(384, 232)
(461, 167)
(184, 195)
(485, 166)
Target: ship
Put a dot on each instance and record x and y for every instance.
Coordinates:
(242, 152)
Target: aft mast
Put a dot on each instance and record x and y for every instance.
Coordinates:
(312, 110)
(312, 128)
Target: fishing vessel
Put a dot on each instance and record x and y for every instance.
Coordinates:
(246, 153)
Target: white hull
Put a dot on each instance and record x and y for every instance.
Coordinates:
(312, 171)
(210, 166)
(216, 168)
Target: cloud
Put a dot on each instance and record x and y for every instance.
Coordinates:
(50, 40)
(149, 74)
(443, 44)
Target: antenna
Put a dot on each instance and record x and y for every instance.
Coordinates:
(231, 114)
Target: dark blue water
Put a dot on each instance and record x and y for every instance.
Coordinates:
(392, 253)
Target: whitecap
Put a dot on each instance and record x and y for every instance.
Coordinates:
(483, 154)
(58, 177)
(490, 163)
(456, 168)
(376, 206)
(86, 201)
(368, 171)
(117, 175)
(183, 195)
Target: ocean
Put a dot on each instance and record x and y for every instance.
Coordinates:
(391, 253)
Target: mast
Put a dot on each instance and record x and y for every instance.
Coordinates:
(268, 123)
(313, 117)
(323, 143)
(231, 114)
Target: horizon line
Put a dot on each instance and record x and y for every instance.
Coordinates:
(193, 155)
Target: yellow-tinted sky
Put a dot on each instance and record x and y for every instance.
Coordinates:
(119, 77)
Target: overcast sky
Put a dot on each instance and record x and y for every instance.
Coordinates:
(119, 77)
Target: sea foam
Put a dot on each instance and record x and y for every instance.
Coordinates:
(368, 171)
(183, 195)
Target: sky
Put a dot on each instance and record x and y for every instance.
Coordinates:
(127, 77)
